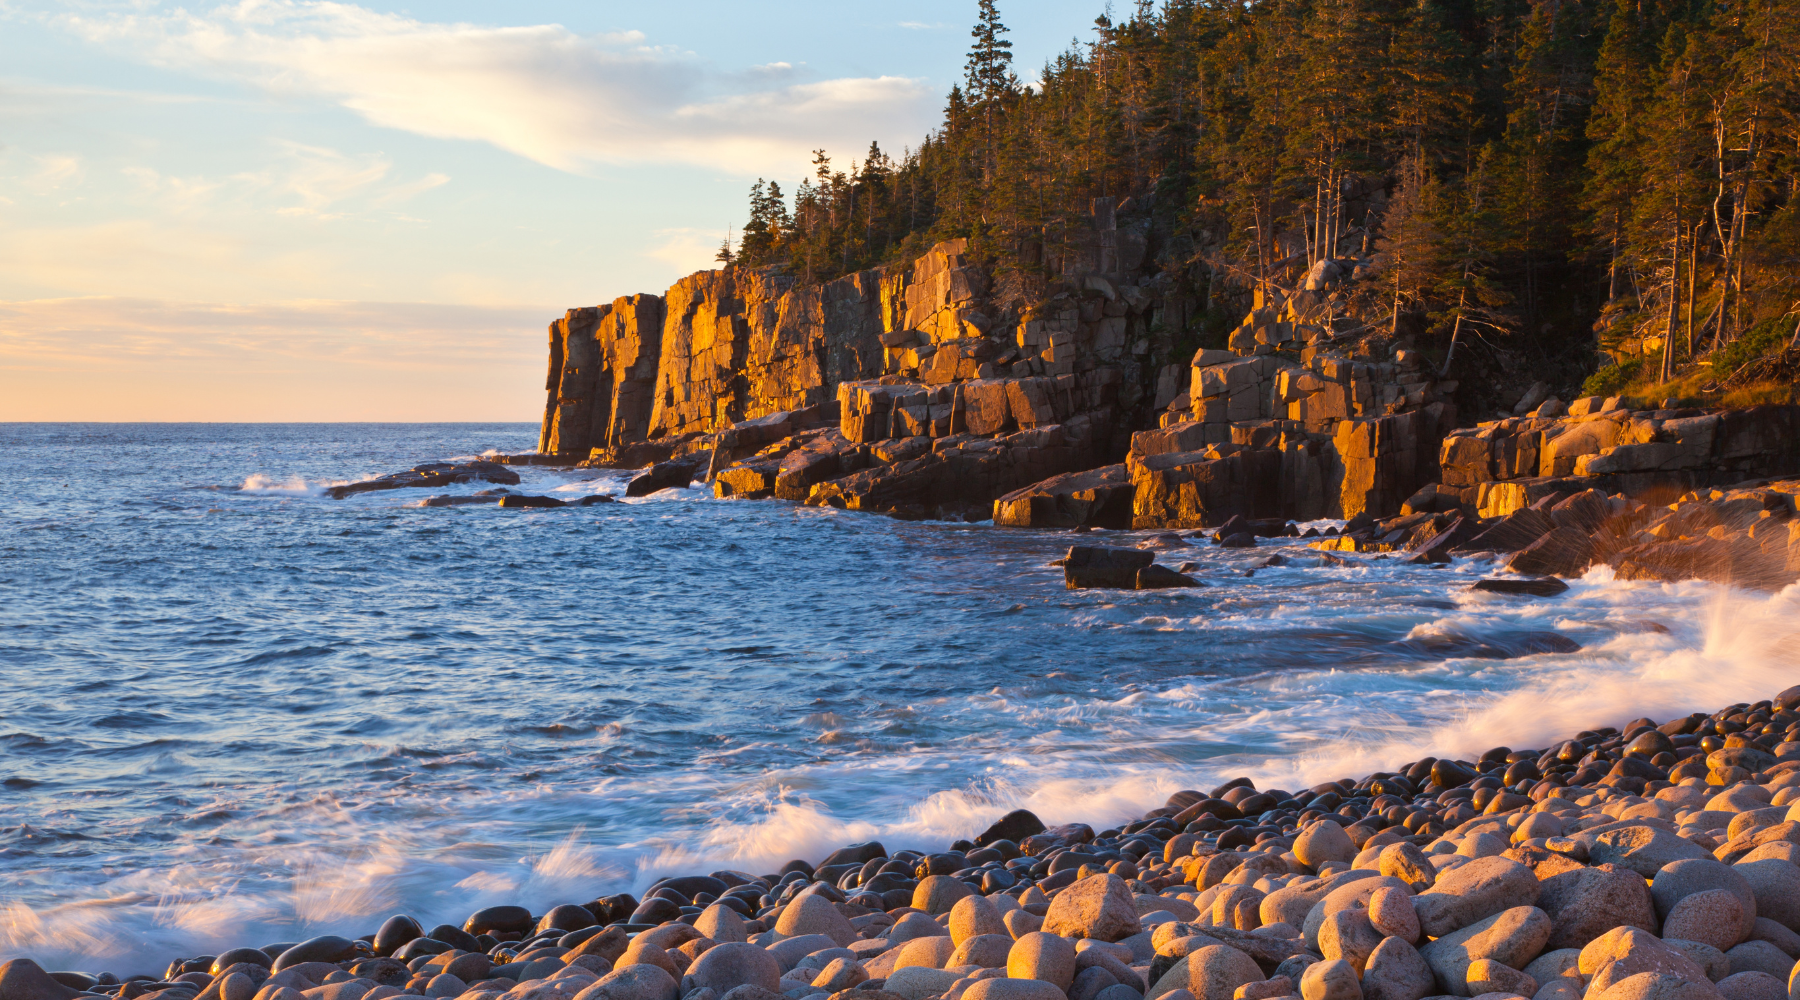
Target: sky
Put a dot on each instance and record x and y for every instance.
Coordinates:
(297, 210)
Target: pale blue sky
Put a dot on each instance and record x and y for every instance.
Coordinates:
(280, 209)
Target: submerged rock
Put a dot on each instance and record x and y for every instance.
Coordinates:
(433, 475)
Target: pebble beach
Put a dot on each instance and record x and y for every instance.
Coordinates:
(1653, 859)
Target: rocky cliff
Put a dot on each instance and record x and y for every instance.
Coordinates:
(941, 385)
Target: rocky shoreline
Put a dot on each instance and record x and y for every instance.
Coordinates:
(1640, 862)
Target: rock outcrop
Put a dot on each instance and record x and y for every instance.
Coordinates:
(939, 389)
(1505, 465)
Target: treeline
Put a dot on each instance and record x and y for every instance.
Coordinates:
(1556, 176)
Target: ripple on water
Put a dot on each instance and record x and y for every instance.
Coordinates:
(252, 713)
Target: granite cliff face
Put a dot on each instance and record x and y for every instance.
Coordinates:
(941, 387)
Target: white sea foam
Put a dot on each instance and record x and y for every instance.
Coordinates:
(258, 484)
(920, 774)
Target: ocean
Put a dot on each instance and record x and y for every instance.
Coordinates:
(233, 710)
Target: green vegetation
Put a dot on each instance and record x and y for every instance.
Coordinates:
(1511, 170)
(1614, 379)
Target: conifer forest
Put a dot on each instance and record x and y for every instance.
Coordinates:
(1602, 189)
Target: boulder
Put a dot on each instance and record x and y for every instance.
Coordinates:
(840, 974)
(1775, 884)
(1013, 989)
(1753, 985)
(1014, 826)
(1098, 907)
(1042, 956)
(1391, 913)
(1210, 973)
(1348, 935)
(973, 916)
(1562, 552)
(1512, 937)
(1488, 976)
(1088, 566)
(1344, 895)
(1548, 587)
(661, 476)
(1627, 951)
(1099, 498)
(1560, 963)
(331, 948)
(1760, 956)
(1407, 863)
(1681, 879)
(1113, 964)
(1658, 986)
(1396, 971)
(1585, 903)
(917, 982)
(23, 979)
(1330, 980)
(939, 893)
(813, 914)
(1715, 917)
(926, 952)
(633, 982)
(724, 967)
(1324, 841)
(721, 923)
(1468, 894)
(1643, 849)
(989, 951)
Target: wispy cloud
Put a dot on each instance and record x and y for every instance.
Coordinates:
(921, 25)
(544, 92)
(687, 250)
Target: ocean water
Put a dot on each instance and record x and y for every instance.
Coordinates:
(234, 711)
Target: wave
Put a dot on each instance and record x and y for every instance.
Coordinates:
(258, 484)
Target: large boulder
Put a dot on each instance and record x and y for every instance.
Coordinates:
(1585, 903)
(973, 916)
(939, 893)
(1042, 956)
(1324, 841)
(1013, 989)
(1715, 917)
(1094, 566)
(989, 951)
(633, 982)
(1344, 895)
(1775, 884)
(1100, 907)
(23, 979)
(725, 967)
(1658, 986)
(1472, 892)
(814, 914)
(1681, 879)
(1643, 849)
(1210, 973)
(1332, 979)
(1511, 937)
(1396, 971)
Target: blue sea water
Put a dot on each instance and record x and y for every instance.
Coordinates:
(233, 710)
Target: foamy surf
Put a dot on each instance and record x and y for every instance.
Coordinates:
(259, 484)
(318, 714)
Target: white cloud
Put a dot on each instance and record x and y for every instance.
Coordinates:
(541, 91)
(687, 250)
(54, 173)
(921, 25)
